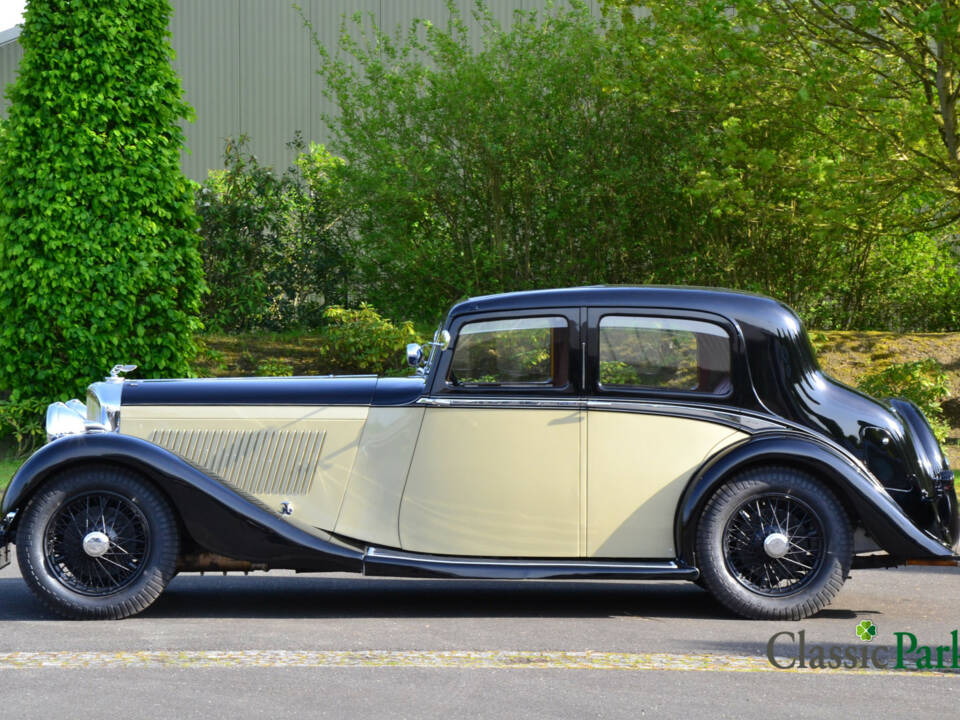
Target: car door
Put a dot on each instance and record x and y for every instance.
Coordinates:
(497, 467)
(652, 379)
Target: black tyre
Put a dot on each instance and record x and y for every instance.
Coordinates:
(774, 544)
(97, 543)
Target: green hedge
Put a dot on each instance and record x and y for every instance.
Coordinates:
(99, 259)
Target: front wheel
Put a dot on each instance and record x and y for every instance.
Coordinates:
(774, 544)
(97, 543)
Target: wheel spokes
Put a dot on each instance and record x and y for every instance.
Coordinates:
(103, 571)
(794, 554)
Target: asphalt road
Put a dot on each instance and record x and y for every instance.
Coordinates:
(343, 646)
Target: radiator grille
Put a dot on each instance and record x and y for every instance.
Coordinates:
(257, 461)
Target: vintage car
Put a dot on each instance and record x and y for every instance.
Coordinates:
(628, 433)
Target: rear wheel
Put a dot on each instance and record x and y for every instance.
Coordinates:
(774, 544)
(97, 542)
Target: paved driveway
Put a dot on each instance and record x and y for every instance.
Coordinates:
(342, 646)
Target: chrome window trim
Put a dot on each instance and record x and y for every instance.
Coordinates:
(439, 385)
(546, 384)
(626, 314)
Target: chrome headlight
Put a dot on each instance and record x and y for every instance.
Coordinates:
(101, 412)
(64, 419)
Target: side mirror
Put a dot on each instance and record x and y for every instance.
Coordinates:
(414, 354)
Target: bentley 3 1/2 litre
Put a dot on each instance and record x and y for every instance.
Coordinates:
(603, 432)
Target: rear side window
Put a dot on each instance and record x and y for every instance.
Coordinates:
(512, 352)
(664, 353)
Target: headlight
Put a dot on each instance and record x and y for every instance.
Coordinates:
(62, 419)
(101, 412)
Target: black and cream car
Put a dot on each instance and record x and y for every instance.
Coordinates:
(602, 432)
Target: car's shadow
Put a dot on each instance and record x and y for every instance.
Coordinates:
(264, 596)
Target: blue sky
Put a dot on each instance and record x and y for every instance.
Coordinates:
(11, 13)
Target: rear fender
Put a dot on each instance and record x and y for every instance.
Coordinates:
(856, 487)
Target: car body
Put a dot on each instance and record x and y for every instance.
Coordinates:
(597, 432)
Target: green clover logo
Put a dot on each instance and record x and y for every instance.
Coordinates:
(866, 631)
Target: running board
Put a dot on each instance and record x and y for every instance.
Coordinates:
(396, 563)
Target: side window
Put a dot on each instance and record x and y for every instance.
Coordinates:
(664, 353)
(512, 352)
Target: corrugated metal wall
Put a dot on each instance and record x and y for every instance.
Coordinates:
(10, 54)
(249, 66)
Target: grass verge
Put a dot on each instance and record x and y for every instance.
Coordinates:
(8, 466)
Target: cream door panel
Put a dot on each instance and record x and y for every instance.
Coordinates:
(372, 501)
(494, 482)
(301, 455)
(637, 468)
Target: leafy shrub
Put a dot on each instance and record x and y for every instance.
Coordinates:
(98, 250)
(361, 341)
(241, 210)
(617, 372)
(24, 422)
(923, 382)
(274, 368)
(273, 245)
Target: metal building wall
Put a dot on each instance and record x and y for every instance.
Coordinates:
(249, 66)
(10, 54)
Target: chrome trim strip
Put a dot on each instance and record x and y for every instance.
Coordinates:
(737, 419)
(478, 402)
(593, 565)
(397, 563)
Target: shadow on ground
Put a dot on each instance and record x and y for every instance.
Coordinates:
(193, 596)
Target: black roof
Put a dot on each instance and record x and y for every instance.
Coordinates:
(743, 307)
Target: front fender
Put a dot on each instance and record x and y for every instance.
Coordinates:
(218, 517)
(879, 513)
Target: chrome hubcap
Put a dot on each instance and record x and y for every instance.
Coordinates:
(96, 544)
(776, 545)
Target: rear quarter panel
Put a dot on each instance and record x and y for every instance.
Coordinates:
(637, 470)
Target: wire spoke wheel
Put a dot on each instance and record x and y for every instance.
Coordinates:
(774, 544)
(96, 543)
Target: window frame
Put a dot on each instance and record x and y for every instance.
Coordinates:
(736, 344)
(440, 384)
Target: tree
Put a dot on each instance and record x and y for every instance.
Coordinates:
(98, 249)
(820, 140)
(700, 143)
(503, 168)
(283, 233)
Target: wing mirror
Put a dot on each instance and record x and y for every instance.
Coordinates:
(415, 352)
